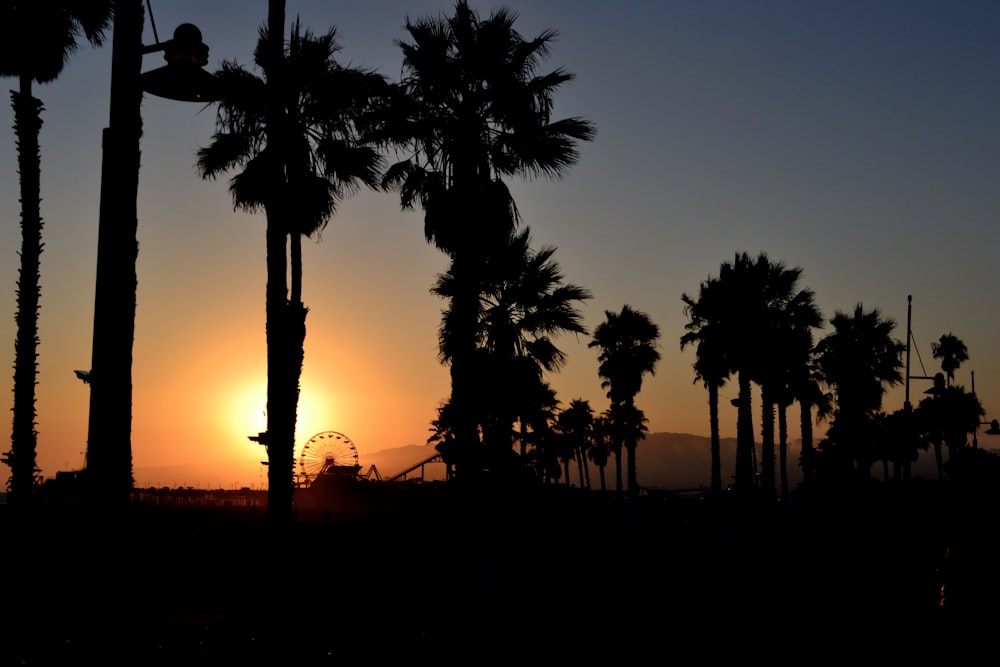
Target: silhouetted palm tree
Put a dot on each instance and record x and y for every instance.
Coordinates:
(615, 439)
(806, 388)
(904, 433)
(790, 355)
(473, 112)
(740, 311)
(949, 416)
(524, 304)
(36, 40)
(952, 353)
(859, 360)
(704, 329)
(600, 448)
(779, 308)
(576, 423)
(626, 426)
(297, 163)
(627, 341)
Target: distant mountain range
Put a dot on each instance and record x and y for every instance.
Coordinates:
(663, 460)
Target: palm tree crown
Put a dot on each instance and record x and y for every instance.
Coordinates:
(952, 352)
(38, 37)
(473, 112)
(324, 152)
(627, 343)
(859, 360)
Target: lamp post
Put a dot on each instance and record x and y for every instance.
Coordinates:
(907, 406)
(109, 432)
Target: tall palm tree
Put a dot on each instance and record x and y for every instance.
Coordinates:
(859, 360)
(473, 111)
(710, 366)
(806, 388)
(297, 163)
(952, 353)
(777, 309)
(790, 354)
(627, 341)
(36, 41)
(738, 313)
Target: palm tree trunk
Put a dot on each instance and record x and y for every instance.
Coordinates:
(713, 424)
(783, 447)
(281, 401)
(744, 438)
(618, 470)
(21, 458)
(281, 385)
(767, 442)
(295, 243)
(633, 478)
(604, 485)
(939, 462)
(806, 457)
(466, 306)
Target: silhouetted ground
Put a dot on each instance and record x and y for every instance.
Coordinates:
(435, 574)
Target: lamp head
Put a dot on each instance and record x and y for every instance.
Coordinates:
(183, 78)
(939, 385)
(994, 428)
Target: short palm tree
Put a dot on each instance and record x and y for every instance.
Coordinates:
(525, 304)
(952, 353)
(36, 40)
(950, 416)
(576, 423)
(473, 111)
(627, 341)
(858, 360)
(296, 165)
(600, 448)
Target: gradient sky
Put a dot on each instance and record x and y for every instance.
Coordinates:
(857, 140)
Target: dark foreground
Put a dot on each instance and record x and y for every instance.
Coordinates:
(434, 574)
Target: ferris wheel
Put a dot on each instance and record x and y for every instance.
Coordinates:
(327, 453)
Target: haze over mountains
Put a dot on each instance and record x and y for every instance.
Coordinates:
(663, 460)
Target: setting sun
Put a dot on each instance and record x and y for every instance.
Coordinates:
(247, 414)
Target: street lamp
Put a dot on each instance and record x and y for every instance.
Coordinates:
(109, 433)
(938, 379)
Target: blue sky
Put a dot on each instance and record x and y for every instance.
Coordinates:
(857, 140)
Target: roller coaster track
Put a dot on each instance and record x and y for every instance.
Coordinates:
(402, 475)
